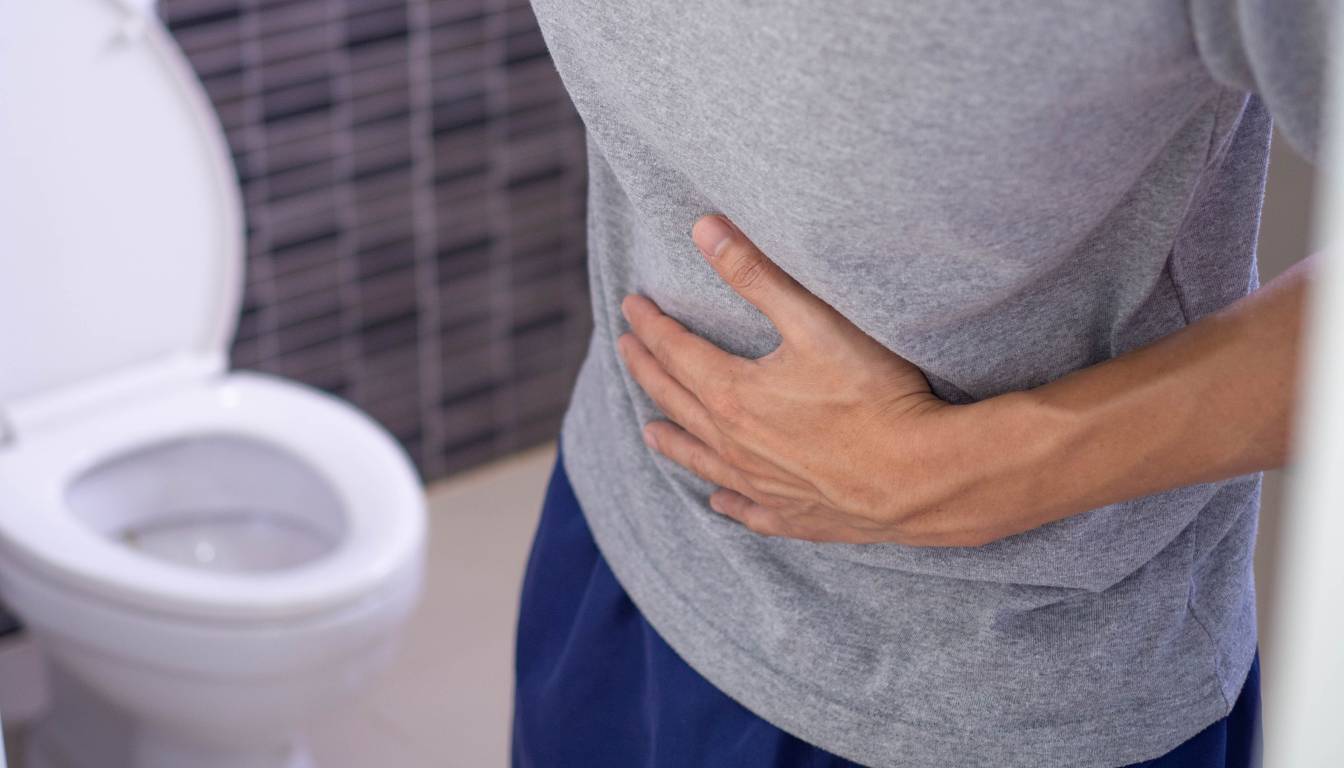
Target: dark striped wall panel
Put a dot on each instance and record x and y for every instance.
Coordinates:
(414, 176)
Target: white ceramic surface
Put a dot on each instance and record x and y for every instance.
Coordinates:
(206, 560)
(121, 235)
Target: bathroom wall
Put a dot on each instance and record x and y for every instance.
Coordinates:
(1285, 227)
(414, 180)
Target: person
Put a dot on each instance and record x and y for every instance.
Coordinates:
(930, 385)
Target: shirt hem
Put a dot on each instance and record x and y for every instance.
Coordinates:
(1106, 743)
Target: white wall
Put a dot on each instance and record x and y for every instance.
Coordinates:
(1284, 235)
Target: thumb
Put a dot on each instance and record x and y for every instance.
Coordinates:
(793, 310)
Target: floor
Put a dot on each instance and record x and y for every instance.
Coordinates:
(445, 702)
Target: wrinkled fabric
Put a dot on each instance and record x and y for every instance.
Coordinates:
(595, 686)
(1001, 193)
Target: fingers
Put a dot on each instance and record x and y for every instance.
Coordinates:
(690, 452)
(792, 309)
(794, 524)
(694, 362)
(672, 398)
(756, 518)
(738, 498)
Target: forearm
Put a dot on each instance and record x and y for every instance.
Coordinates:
(835, 437)
(1211, 401)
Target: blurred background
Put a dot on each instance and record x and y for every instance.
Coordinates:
(1285, 234)
(414, 180)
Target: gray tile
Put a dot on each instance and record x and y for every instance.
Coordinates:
(439, 167)
(276, 18)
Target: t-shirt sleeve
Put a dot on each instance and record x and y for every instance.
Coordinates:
(1274, 48)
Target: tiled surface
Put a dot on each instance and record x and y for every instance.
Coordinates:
(446, 701)
(414, 176)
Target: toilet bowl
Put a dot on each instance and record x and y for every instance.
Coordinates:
(204, 576)
(208, 559)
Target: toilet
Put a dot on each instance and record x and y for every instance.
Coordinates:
(207, 559)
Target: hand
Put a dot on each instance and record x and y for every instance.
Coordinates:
(830, 437)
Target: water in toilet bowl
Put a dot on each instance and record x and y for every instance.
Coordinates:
(237, 540)
(218, 502)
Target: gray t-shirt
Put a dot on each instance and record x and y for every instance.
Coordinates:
(1000, 191)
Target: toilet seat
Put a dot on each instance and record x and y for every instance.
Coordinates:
(121, 221)
(126, 446)
(122, 246)
(367, 471)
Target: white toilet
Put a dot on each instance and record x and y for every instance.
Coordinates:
(207, 559)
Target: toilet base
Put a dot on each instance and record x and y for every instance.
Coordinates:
(84, 730)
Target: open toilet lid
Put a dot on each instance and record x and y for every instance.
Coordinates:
(121, 239)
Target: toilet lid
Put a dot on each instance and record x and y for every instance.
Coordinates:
(120, 221)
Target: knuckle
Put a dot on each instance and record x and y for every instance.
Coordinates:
(750, 488)
(764, 492)
(746, 270)
(699, 464)
(726, 405)
(663, 334)
(657, 344)
(731, 453)
(760, 524)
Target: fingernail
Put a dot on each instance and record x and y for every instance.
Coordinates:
(714, 504)
(710, 234)
(649, 439)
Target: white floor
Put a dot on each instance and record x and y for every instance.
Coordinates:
(446, 701)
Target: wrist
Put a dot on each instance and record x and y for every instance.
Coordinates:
(995, 467)
(1047, 476)
(1026, 466)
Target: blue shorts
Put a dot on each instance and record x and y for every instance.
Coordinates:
(597, 687)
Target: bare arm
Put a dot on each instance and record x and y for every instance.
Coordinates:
(1211, 401)
(834, 437)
